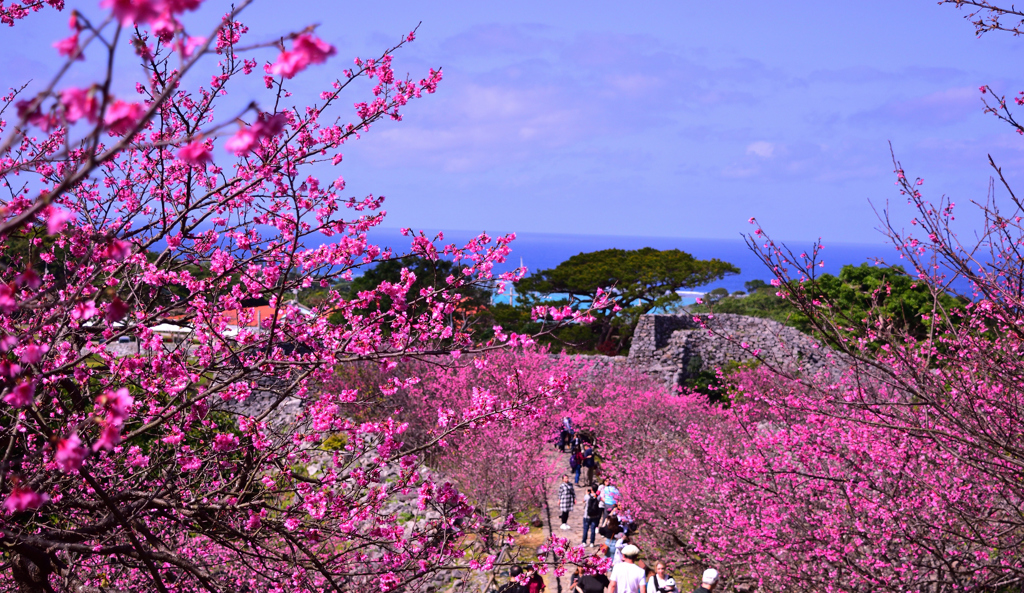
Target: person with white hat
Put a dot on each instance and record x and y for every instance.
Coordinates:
(708, 581)
(627, 577)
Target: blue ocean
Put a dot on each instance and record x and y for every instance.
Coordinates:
(539, 251)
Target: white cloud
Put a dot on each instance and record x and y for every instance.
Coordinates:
(765, 150)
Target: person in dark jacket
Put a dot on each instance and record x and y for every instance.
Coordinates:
(591, 583)
(513, 586)
(592, 512)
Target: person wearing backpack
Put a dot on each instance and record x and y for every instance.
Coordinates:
(591, 515)
(589, 462)
(576, 464)
(661, 582)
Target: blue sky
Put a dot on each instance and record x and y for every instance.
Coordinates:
(667, 119)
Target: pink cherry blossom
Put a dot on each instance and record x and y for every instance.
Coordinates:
(288, 64)
(116, 310)
(8, 304)
(22, 394)
(268, 126)
(244, 140)
(136, 458)
(178, 6)
(122, 116)
(68, 46)
(33, 353)
(116, 403)
(164, 26)
(189, 45)
(248, 137)
(56, 220)
(225, 442)
(24, 499)
(197, 153)
(306, 50)
(84, 310)
(117, 250)
(110, 436)
(70, 453)
(29, 279)
(171, 255)
(32, 111)
(128, 12)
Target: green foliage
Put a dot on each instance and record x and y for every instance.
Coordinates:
(21, 249)
(572, 338)
(756, 285)
(335, 442)
(711, 382)
(641, 280)
(315, 296)
(717, 294)
(760, 302)
(865, 295)
(473, 309)
(429, 274)
(860, 296)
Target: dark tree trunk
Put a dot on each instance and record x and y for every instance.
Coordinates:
(31, 571)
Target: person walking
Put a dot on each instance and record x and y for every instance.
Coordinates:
(566, 500)
(620, 545)
(566, 435)
(589, 462)
(591, 515)
(611, 530)
(591, 583)
(627, 577)
(576, 463)
(609, 496)
(707, 581)
(661, 582)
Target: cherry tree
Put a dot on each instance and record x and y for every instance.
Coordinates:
(898, 468)
(895, 469)
(229, 458)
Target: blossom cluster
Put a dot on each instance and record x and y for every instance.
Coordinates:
(171, 419)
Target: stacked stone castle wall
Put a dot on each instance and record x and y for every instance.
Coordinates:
(675, 347)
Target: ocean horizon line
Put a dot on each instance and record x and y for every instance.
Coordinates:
(611, 237)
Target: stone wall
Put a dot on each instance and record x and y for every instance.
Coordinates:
(673, 347)
(652, 333)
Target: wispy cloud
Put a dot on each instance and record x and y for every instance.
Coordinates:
(498, 39)
(765, 150)
(938, 108)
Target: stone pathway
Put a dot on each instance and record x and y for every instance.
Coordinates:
(559, 466)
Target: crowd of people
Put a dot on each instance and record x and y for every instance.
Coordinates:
(603, 517)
